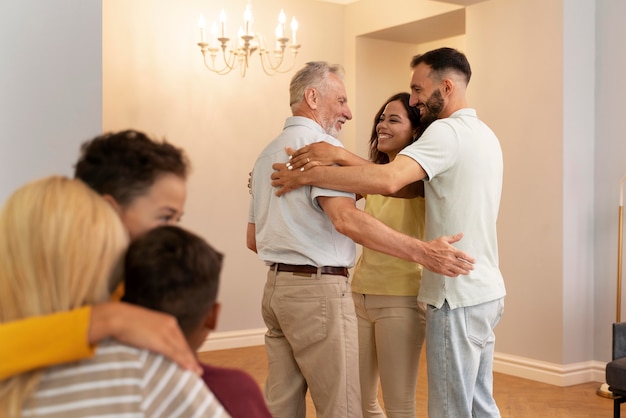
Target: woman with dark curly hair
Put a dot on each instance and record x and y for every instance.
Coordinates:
(384, 288)
(144, 180)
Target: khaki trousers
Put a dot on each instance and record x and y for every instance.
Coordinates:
(311, 343)
(391, 336)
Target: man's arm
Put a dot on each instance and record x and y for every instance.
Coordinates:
(438, 255)
(411, 190)
(323, 153)
(385, 179)
(251, 237)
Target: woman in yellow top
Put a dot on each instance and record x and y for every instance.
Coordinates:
(384, 288)
(144, 181)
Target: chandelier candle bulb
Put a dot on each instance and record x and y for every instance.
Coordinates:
(294, 29)
(281, 23)
(247, 18)
(201, 25)
(279, 35)
(223, 21)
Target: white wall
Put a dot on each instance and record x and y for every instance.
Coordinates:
(50, 86)
(609, 165)
(578, 169)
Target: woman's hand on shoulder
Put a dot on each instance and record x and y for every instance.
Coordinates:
(142, 328)
(317, 153)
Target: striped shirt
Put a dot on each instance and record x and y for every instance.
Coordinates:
(123, 382)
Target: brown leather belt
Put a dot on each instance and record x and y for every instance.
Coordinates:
(306, 269)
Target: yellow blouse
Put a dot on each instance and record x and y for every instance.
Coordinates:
(381, 274)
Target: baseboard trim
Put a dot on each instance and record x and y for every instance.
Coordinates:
(551, 373)
(233, 339)
(540, 371)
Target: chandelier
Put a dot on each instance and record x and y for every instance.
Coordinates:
(238, 53)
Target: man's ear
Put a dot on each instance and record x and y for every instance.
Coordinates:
(311, 97)
(448, 86)
(210, 321)
(111, 200)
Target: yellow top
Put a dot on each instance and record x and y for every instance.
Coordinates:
(380, 274)
(42, 341)
(48, 340)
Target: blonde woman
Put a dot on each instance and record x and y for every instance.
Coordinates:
(61, 247)
(143, 179)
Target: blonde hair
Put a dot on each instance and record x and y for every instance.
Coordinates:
(61, 247)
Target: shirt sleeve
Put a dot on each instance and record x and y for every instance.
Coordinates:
(42, 341)
(437, 149)
(170, 391)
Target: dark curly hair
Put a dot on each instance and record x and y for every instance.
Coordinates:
(414, 117)
(175, 271)
(126, 164)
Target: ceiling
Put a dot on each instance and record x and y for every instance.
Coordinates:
(459, 2)
(441, 26)
(340, 1)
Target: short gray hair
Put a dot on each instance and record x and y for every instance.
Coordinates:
(314, 74)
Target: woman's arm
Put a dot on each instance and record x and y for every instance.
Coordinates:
(143, 328)
(58, 338)
(322, 153)
(42, 341)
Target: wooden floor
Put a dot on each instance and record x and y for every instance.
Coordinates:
(516, 397)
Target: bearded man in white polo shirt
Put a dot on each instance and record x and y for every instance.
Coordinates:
(460, 160)
(306, 239)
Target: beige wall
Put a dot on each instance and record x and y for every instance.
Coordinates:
(508, 95)
(154, 80)
(559, 119)
(518, 90)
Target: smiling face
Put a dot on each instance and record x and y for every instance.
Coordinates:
(162, 204)
(426, 94)
(332, 109)
(394, 129)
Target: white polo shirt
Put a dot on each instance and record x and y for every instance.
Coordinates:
(293, 228)
(463, 161)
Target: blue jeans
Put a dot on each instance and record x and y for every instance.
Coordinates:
(459, 354)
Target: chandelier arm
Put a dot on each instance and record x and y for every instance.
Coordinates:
(262, 59)
(244, 63)
(277, 70)
(229, 64)
(220, 71)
